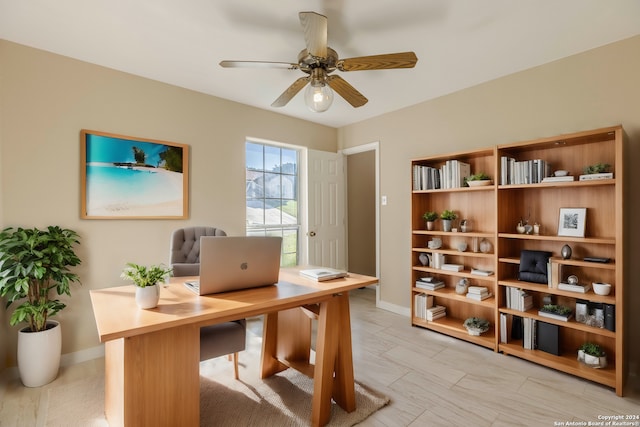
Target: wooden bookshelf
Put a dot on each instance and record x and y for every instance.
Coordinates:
(478, 206)
(495, 210)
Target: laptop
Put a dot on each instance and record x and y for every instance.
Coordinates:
(232, 263)
(322, 274)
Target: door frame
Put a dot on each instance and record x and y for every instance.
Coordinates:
(372, 146)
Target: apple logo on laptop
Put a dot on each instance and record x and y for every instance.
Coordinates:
(244, 266)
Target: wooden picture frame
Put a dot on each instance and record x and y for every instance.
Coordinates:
(571, 222)
(124, 177)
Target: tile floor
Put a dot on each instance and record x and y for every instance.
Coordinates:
(432, 380)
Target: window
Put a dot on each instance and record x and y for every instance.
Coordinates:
(272, 196)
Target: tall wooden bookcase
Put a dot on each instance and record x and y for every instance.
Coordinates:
(477, 205)
(495, 210)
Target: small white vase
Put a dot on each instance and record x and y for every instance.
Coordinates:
(148, 296)
(39, 355)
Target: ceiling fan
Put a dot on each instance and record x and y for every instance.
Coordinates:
(319, 61)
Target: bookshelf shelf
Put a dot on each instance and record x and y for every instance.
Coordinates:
(494, 210)
(567, 363)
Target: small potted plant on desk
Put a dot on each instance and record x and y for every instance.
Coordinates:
(447, 217)
(430, 217)
(34, 266)
(592, 355)
(147, 281)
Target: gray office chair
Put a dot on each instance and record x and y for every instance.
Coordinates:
(227, 338)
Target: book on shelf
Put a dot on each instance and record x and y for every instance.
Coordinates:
(481, 272)
(452, 267)
(565, 178)
(523, 172)
(503, 328)
(547, 338)
(554, 315)
(432, 317)
(583, 289)
(454, 172)
(436, 312)
(477, 289)
(518, 299)
(529, 333)
(554, 273)
(426, 178)
(479, 297)
(422, 303)
(431, 286)
(596, 176)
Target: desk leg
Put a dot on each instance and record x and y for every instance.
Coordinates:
(333, 357)
(343, 388)
(154, 379)
(286, 342)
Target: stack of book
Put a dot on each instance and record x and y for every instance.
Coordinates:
(452, 267)
(583, 289)
(480, 272)
(557, 312)
(518, 299)
(429, 283)
(478, 293)
(565, 178)
(436, 312)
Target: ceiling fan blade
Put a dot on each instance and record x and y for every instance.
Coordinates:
(291, 92)
(345, 90)
(378, 62)
(258, 64)
(315, 33)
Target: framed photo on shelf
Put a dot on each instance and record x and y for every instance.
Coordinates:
(572, 222)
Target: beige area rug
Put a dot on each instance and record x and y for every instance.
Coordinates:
(282, 400)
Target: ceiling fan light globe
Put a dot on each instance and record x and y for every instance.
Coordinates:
(318, 97)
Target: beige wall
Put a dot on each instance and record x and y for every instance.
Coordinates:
(590, 90)
(46, 99)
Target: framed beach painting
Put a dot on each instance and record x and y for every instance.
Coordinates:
(133, 178)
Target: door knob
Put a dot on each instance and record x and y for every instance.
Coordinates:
(311, 234)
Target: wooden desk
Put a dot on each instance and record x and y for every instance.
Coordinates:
(152, 356)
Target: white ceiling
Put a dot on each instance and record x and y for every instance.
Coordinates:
(459, 43)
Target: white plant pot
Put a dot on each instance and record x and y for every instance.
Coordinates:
(446, 225)
(39, 355)
(148, 296)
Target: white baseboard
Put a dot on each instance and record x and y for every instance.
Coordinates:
(397, 309)
(82, 355)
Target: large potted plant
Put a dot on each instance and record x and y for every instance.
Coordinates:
(35, 269)
(147, 280)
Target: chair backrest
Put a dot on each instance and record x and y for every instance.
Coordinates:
(184, 255)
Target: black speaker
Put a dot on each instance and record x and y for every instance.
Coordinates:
(610, 317)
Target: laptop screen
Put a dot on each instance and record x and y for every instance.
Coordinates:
(229, 263)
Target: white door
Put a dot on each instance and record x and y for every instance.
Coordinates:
(326, 240)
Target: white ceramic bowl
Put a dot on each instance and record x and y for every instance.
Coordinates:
(601, 288)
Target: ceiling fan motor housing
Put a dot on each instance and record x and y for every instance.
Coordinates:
(308, 62)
